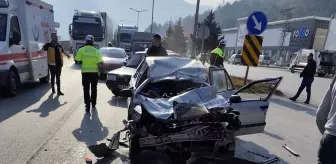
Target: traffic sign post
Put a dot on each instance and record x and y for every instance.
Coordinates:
(256, 25)
(203, 33)
(251, 51)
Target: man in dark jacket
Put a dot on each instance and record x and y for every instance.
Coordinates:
(307, 75)
(156, 49)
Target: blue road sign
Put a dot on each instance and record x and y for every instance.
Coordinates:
(257, 23)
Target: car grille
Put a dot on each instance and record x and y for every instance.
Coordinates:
(123, 78)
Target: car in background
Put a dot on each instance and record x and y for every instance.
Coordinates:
(264, 60)
(235, 59)
(118, 79)
(113, 58)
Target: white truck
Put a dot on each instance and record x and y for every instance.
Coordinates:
(97, 24)
(123, 36)
(25, 26)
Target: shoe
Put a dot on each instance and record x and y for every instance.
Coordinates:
(292, 98)
(60, 93)
(87, 109)
(306, 102)
(93, 106)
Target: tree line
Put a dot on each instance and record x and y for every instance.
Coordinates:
(175, 39)
(228, 13)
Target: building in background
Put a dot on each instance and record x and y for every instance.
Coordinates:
(282, 38)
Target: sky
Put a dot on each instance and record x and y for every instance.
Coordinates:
(64, 12)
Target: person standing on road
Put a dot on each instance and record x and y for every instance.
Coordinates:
(217, 55)
(156, 49)
(55, 61)
(307, 75)
(326, 123)
(91, 60)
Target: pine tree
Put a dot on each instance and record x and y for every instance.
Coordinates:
(215, 31)
(180, 45)
(168, 38)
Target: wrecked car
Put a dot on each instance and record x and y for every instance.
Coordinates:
(182, 109)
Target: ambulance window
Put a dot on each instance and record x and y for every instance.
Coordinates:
(15, 28)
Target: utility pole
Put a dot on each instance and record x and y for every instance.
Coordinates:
(285, 30)
(195, 27)
(138, 11)
(152, 17)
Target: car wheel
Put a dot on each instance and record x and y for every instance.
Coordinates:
(116, 92)
(13, 84)
(292, 69)
(320, 74)
(45, 80)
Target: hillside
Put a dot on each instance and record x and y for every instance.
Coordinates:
(227, 14)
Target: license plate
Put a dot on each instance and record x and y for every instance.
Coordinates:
(122, 86)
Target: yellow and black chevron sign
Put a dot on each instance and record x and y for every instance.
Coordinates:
(251, 50)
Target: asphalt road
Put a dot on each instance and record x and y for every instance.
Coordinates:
(39, 128)
(290, 83)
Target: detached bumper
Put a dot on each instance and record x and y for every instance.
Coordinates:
(3, 77)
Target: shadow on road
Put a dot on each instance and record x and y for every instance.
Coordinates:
(250, 151)
(91, 130)
(30, 94)
(118, 102)
(292, 105)
(49, 105)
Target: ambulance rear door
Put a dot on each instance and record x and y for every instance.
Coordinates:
(39, 17)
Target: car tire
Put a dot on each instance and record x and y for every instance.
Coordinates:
(292, 69)
(116, 92)
(321, 74)
(45, 80)
(13, 84)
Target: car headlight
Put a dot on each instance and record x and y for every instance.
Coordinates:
(111, 77)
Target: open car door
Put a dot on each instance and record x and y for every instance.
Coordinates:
(251, 100)
(220, 78)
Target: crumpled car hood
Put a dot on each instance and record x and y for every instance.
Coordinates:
(163, 108)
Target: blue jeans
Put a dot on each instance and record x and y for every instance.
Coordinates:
(306, 83)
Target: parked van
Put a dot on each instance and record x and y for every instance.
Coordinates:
(264, 60)
(235, 59)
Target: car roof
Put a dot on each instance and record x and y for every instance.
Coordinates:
(113, 48)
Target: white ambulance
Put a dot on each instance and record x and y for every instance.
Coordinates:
(25, 25)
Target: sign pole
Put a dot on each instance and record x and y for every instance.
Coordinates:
(246, 74)
(202, 48)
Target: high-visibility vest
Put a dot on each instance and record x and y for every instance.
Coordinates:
(90, 57)
(218, 51)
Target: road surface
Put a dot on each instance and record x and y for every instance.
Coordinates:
(40, 128)
(290, 83)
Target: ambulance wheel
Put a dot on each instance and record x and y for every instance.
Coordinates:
(45, 80)
(292, 69)
(13, 83)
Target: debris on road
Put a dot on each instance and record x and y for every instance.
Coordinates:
(290, 150)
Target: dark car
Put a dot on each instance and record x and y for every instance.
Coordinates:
(118, 79)
(113, 58)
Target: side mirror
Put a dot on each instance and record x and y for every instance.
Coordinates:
(235, 99)
(126, 92)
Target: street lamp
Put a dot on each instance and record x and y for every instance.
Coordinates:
(152, 16)
(138, 11)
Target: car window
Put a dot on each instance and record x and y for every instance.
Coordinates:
(221, 80)
(113, 53)
(135, 60)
